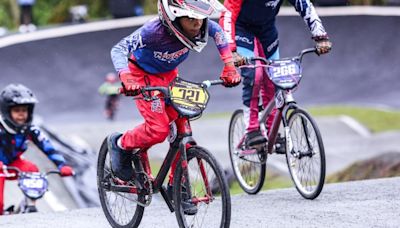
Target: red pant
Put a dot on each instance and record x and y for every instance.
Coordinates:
(264, 87)
(23, 165)
(156, 115)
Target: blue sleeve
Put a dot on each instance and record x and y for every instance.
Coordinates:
(216, 32)
(44, 144)
(121, 51)
(310, 16)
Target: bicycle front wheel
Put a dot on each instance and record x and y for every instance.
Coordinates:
(120, 208)
(209, 191)
(306, 160)
(249, 172)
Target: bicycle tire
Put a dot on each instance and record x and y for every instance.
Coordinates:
(216, 181)
(250, 175)
(103, 169)
(299, 166)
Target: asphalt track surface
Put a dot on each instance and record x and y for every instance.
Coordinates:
(65, 72)
(372, 203)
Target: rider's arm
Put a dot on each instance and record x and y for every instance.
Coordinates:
(215, 31)
(228, 20)
(309, 14)
(44, 144)
(124, 48)
(229, 74)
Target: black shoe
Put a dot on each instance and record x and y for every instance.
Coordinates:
(121, 160)
(188, 207)
(254, 138)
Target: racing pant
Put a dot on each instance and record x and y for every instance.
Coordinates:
(256, 84)
(23, 165)
(157, 115)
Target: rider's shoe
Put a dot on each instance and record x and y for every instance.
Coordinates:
(254, 138)
(121, 160)
(280, 145)
(188, 207)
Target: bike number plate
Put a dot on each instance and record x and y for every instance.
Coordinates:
(285, 74)
(188, 97)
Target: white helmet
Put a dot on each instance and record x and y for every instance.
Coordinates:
(169, 10)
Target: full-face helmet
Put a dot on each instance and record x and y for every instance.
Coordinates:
(170, 10)
(15, 95)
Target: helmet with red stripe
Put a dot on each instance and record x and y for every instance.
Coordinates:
(170, 10)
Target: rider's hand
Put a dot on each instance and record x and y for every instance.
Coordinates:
(66, 171)
(238, 59)
(129, 86)
(323, 45)
(230, 76)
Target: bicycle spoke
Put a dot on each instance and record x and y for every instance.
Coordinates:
(306, 165)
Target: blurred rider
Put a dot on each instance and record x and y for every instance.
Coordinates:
(110, 88)
(17, 103)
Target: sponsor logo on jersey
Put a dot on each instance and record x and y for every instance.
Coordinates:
(271, 46)
(168, 57)
(273, 4)
(244, 39)
(219, 38)
(136, 41)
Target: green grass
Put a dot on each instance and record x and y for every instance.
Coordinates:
(271, 182)
(376, 120)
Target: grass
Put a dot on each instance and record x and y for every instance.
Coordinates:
(376, 120)
(272, 181)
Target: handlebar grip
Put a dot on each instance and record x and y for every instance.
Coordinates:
(208, 83)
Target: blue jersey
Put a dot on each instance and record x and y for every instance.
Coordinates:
(13, 145)
(156, 50)
(257, 17)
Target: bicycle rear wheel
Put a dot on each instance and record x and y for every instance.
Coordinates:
(249, 172)
(120, 208)
(306, 161)
(209, 190)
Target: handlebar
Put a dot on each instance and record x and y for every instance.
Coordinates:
(165, 90)
(17, 170)
(267, 62)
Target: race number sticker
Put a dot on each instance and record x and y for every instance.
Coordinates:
(285, 74)
(33, 183)
(189, 94)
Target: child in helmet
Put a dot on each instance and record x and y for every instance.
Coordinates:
(155, 50)
(17, 103)
(110, 88)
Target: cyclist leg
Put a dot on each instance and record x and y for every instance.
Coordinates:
(267, 47)
(267, 87)
(251, 87)
(154, 130)
(156, 126)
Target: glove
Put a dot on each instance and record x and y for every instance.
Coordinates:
(323, 44)
(129, 86)
(230, 76)
(66, 171)
(238, 59)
